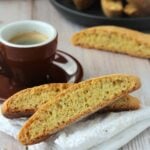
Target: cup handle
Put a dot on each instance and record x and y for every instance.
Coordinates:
(3, 66)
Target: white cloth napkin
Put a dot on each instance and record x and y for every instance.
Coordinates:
(100, 131)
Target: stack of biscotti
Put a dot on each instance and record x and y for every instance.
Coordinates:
(59, 105)
(26, 102)
(114, 39)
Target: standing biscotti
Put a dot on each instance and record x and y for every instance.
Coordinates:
(114, 39)
(76, 102)
(112, 8)
(132, 10)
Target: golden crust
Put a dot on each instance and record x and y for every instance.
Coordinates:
(36, 129)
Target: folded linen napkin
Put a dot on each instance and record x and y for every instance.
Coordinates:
(99, 131)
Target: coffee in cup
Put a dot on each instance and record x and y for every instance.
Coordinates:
(29, 38)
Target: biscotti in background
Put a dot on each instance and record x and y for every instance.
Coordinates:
(114, 39)
(112, 8)
(142, 5)
(123, 9)
(131, 10)
(75, 103)
(83, 4)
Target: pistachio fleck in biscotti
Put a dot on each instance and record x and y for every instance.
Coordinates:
(76, 102)
(114, 39)
(24, 103)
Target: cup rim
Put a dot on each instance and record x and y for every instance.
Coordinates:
(3, 41)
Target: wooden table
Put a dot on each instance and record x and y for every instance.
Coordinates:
(94, 62)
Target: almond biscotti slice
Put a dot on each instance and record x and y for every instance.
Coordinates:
(75, 103)
(24, 103)
(114, 39)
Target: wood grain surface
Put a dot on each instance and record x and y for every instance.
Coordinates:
(95, 63)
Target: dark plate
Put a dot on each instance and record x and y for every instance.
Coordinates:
(94, 16)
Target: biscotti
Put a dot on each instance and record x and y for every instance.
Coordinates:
(114, 39)
(131, 10)
(26, 102)
(123, 104)
(112, 8)
(83, 4)
(143, 6)
(75, 103)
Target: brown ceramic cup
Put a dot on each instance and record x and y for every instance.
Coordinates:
(27, 64)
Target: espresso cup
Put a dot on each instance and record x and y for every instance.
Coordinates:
(26, 51)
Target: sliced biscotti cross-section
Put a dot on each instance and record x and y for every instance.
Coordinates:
(24, 103)
(114, 39)
(76, 102)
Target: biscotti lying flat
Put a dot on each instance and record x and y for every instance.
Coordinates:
(76, 102)
(26, 102)
(114, 39)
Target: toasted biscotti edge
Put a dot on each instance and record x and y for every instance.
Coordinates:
(123, 104)
(9, 111)
(23, 135)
